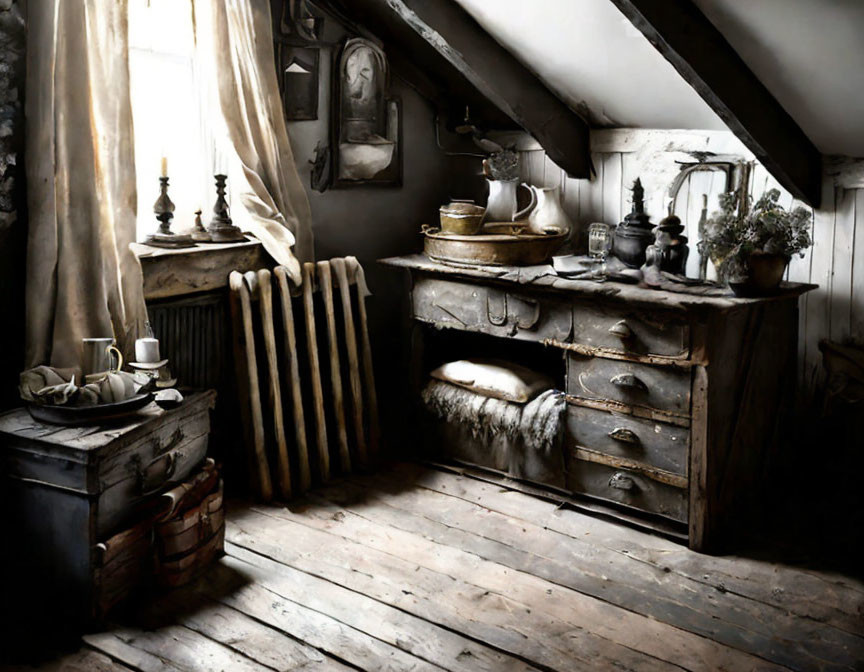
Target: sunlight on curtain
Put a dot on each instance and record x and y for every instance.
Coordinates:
(173, 116)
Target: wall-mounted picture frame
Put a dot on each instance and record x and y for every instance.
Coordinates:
(299, 77)
(366, 120)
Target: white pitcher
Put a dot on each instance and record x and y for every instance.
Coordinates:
(501, 206)
(547, 215)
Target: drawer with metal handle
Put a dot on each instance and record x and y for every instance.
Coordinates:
(653, 443)
(625, 330)
(630, 387)
(627, 486)
(491, 310)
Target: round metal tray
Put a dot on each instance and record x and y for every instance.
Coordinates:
(86, 415)
(492, 249)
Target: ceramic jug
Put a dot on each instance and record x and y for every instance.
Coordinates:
(547, 215)
(501, 206)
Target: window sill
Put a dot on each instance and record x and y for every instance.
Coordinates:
(191, 270)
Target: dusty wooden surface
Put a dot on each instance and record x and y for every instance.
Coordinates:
(196, 269)
(420, 569)
(510, 276)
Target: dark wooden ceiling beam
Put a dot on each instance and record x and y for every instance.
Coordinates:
(501, 79)
(703, 57)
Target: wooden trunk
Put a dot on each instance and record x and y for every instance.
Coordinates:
(70, 492)
(676, 401)
(190, 540)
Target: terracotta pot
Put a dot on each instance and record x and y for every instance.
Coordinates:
(765, 272)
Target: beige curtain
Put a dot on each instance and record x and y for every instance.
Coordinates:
(236, 37)
(82, 279)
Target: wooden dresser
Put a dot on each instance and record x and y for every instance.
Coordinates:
(67, 491)
(675, 401)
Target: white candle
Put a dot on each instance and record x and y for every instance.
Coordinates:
(164, 166)
(147, 350)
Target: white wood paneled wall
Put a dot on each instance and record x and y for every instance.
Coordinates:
(834, 311)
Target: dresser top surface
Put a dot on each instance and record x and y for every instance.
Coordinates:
(20, 427)
(543, 277)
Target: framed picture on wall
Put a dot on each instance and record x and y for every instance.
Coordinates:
(367, 121)
(299, 81)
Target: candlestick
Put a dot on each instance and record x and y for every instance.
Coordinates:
(164, 207)
(221, 228)
(164, 210)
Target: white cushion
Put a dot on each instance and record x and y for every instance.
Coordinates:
(494, 378)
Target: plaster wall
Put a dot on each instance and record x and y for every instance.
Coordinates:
(372, 222)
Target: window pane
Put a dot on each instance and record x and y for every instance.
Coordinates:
(178, 116)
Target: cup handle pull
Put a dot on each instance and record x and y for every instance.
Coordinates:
(622, 330)
(624, 435)
(629, 381)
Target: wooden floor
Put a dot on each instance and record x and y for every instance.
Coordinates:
(421, 569)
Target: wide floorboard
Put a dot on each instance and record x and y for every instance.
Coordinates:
(419, 568)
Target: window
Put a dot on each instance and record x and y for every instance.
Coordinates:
(176, 115)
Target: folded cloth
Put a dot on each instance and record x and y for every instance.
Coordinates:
(45, 384)
(534, 449)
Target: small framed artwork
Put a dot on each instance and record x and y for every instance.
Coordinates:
(299, 82)
(367, 124)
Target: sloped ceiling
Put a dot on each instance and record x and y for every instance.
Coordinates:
(810, 55)
(588, 53)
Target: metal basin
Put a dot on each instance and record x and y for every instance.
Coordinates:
(493, 248)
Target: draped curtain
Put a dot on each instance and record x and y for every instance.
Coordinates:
(235, 38)
(82, 278)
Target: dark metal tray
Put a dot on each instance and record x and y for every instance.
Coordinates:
(88, 415)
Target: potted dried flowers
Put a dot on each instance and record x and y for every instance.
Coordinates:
(751, 246)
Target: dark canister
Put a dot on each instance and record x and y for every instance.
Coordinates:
(634, 234)
(669, 251)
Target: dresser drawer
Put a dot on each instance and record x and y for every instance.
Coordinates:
(628, 331)
(663, 388)
(491, 310)
(657, 444)
(626, 486)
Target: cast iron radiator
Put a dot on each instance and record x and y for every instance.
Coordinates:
(305, 381)
(194, 334)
